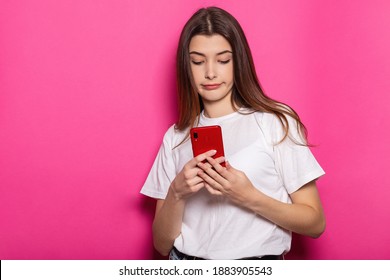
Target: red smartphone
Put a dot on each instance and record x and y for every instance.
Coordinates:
(207, 138)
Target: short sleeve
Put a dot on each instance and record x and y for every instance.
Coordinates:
(295, 163)
(162, 172)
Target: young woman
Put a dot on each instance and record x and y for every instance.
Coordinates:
(248, 208)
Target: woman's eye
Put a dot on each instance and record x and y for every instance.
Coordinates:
(224, 61)
(197, 62)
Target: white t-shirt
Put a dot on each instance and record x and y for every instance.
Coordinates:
(215, 228)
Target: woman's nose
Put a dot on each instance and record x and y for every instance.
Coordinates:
(210, 72)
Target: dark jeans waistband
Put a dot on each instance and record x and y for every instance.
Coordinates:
(183, 256)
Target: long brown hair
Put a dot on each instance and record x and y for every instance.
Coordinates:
(247, 91)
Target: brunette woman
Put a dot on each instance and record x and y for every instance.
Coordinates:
(248, 208)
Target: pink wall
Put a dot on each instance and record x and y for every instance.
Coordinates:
(87, 91)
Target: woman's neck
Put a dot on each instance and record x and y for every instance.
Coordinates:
(216, 110)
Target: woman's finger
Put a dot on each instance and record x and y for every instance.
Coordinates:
(205, 155)
(212, 178)
(212, 190)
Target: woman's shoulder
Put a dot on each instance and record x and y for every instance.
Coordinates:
(265, 119)
(273, 121)
(174, 136)
(274, 126)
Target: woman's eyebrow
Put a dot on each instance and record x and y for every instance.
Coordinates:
(202, 54)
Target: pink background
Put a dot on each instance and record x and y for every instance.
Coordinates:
(87, 91)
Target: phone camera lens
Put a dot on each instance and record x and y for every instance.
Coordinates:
(195, 135)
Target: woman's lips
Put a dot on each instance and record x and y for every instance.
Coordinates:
(211, 86)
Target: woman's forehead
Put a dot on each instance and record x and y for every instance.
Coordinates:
(209, 44)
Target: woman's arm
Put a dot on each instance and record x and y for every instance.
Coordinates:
(167, 223)
(169, 212)
(304, 216)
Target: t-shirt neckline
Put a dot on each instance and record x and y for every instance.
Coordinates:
(215, 121)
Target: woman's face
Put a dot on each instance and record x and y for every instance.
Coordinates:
(211, 61)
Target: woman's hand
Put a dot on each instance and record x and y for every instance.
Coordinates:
(188, 181)
(226, 181)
